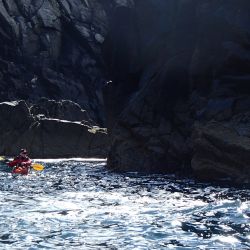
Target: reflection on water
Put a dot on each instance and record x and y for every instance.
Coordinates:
(80, 205)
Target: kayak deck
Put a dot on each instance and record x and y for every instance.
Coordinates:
(20, 170)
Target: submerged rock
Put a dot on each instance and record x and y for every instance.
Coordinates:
(45, 137)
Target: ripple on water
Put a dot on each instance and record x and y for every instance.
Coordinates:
(80, 205)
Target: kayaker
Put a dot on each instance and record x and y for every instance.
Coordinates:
(21, 163)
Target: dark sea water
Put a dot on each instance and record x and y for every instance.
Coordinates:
(80, 205)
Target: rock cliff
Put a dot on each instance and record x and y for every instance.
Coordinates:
(180, 65)
(170, 79)
(52, 48)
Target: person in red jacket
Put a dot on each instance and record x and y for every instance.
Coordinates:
(21, 163)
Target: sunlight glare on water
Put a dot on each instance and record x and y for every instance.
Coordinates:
(80, 205)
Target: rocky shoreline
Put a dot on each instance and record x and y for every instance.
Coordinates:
(168, 79)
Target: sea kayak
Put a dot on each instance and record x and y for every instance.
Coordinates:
(21, 170)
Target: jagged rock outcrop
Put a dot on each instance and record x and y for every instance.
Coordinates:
(62, 110)
(47, 138)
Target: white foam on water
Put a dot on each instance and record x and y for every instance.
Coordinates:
(70, 159)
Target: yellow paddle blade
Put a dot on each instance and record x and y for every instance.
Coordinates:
(37, 167)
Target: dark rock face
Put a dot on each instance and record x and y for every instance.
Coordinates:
(52, 48)
(172, 64)
(186, 61)
(219, 152)
(14, 115)
(47, 138)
